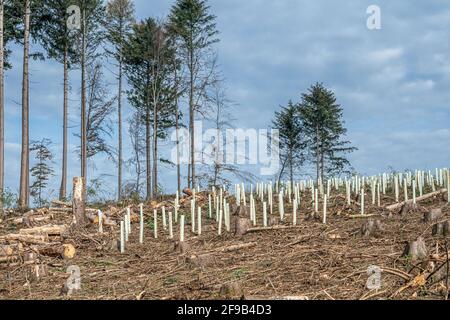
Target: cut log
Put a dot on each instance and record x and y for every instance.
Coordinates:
(275, 228)
(237, 247)
(12, 249)
(61, 203)
(440, 229)
(31, 239)
(371, 228)
(79, 203)
(46, 230)
(64, 251)
(61, 210)
(242, 225)
(30, 220)
(187, 192)
(416, 251)
(397, 206)
(10, 259)
(433, 215)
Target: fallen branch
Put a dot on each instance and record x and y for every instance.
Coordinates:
(237, 247)
(274, 228)
(418, 199)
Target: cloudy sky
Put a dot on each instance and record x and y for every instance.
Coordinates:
(393, 83)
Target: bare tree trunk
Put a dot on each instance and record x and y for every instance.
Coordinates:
(83, 106)
(2, 108)
(317, 156)
(63, 188)
(177, 134)
(155, 148)
(291, 168)
(119, 111)
(147, 151)
(25, 164)
(191, 183)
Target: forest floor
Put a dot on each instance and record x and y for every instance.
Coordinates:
(314, 261)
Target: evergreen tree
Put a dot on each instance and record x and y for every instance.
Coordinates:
(41, 171)
(324, 129)
(119, 19)
(91, 36)
(195, 30)
(58, 41)
(149, 68)
(291, 139)
(28, 18)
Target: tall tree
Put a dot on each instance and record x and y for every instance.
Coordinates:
(161, 91)
(27, 25)
(119, 19)
(195, 29)
(137, 137)
(91, 36)
(57, 39)
(324, 130)
(148, 68)
(42, 170)
(7, 28)
(220, 114)
(100, 107)
(291, 140)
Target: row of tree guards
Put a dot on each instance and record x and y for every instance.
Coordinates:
(218, 207)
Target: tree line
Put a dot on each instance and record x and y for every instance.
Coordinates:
(160, 65)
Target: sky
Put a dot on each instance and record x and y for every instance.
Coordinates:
(393, 83)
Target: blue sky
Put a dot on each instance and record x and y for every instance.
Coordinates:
(393, 83)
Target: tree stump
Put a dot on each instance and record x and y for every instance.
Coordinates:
(201, 261)
(241, 226)
(273, 221)
(37, 272)
(433, 215)
(406, 209)
(416, 250)
(231, 291)
(79, 204)
(371, 228)
(440, 229)
(240, 211)
(181, 247)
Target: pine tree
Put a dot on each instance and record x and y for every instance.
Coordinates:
(90, 38)
(119, 19)
(28, 17)
(195, 29)
(7, 29)
(41, 171)
(291, 139)
(324, 129)
(57, 40)
(149, 68)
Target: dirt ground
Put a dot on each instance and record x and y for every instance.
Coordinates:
(312, 261)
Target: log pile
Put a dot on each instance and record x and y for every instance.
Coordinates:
(29, 247)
